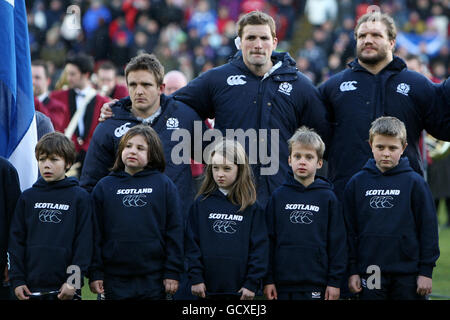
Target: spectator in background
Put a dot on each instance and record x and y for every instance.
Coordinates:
(320, 11)
(51, 107)
(107, 82)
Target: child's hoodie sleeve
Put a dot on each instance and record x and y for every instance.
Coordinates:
(258, 259)
(16, 246)
(427, 227)
(351, 225)
(193, 252)
(337, 245)
(270, 223)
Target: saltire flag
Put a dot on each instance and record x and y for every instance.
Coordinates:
(18, 134)
(416, 43)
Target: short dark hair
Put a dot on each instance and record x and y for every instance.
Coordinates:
(83, 62)
(148, 62)
(56, 143)
(155, 153)
(40, 63)
(107, 65)
(256, 18)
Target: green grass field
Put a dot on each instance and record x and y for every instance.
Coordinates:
(441, 274)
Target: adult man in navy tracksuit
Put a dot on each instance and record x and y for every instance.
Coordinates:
(258, 89)
(377, 84)
(147, 104)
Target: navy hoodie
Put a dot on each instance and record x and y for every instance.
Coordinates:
(104, 144)
(278, 104)
(227, 249)
(391, 221)
(139, 226)
(9, 193)
(307, 236)
(51, 229)
(355, 98)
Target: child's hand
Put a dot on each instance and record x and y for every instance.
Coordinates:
(354, 283)
(246, 294)
(270, 291)
(199, 290)
(170, 285)
(332, 293)
(66, 292)
(424, 285)
(20, 292)
(97, 287)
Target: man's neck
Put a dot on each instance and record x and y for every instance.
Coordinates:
(376, 68)
(144, 114)
(260, 71)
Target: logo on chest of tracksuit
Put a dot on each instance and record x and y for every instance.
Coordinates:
(382, 199)
(172, 124)
(225, 223)
(285, 88)
(134, 197)
(403, 88)
(120, 131)
(348, 86)
(51, 212)
(236, 80)
(302, 213)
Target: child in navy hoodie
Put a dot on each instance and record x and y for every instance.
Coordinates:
(138, 250)
(306, 228)
(227, 250)
(391, 218)
(51, 229)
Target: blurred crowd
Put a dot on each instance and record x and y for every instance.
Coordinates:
(195, 35)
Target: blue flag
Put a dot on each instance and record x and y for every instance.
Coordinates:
(18, 133)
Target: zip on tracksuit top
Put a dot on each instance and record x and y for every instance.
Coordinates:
(139, 226)
(355, 98)
(102, 150)
(226, 249)
(391, 221)
(51, 230)
(308, 248)
(284, 100)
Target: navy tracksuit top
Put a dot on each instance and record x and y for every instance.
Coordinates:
(102, 150)
(307, 235)
(278, 104)
(355, 98)
(391, 221)
(226, 249)
(139, 226)
(51, 229)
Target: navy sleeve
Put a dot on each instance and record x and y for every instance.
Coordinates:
(96, 267)
(99, 158)
(197, 94)
(270, 223)
(337, 244)
(435, 112)
(193, 252)
(16, 248)
(83, 242)
(427, 226)
(313, 113)
(350, 219)
(258, 259)
(174, 236)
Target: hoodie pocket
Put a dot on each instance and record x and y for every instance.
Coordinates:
(46, 266)
(410, 248)
(134, 257)
(224, 274)
(300, 264)
(379, 249)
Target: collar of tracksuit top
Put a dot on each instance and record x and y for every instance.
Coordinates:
(288, 65)
(60, 184)
(122, 109)
(397, 65)
(319, 183)
(402, 166)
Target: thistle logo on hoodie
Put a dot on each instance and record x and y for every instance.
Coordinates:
(134, 197)
(382, 199)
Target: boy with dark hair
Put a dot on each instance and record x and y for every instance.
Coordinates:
(391, 221)
(9, 193)
(306, 228)
(51, 229)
